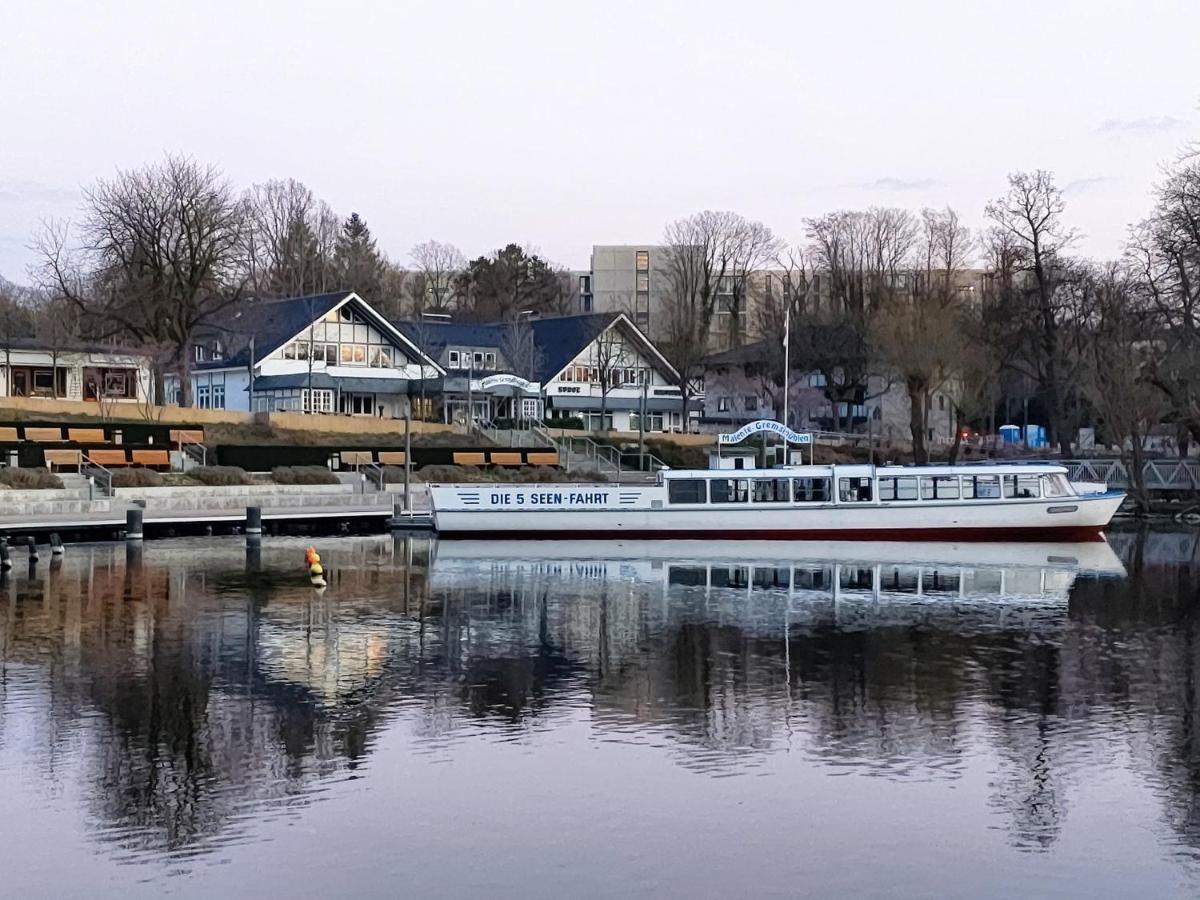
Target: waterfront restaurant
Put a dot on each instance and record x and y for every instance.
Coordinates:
(551, 368)
(327, 353)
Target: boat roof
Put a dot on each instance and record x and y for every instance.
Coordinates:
(861, 470)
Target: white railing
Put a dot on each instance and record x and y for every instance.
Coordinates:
(1157, 474)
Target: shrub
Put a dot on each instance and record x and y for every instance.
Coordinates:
(129, 478)
(215, 476)
(572, 422)
(29, 479)
(303, 475)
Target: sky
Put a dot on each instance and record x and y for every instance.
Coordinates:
(561, 125)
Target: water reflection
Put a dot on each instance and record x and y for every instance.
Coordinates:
(192, 689)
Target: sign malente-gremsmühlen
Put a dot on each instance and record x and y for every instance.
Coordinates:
(792, 437)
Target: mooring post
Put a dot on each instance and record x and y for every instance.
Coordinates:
(33, 554)
(5, 562)
(253, 520)
(133, 523)
(56, 544)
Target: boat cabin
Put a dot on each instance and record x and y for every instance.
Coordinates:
(867, 485)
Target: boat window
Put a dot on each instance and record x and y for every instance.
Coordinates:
(1055, 486)
(729, 490)
(939, 487)
(810, 490)
(1021, 486)
(854, 490)
(898, 488)
(771, 490)
(981, 487)
(685, 490)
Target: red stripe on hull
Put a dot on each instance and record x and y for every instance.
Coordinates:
(1068, 533)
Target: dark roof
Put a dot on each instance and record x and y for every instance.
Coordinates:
(272, 324)
(434, 335)
(739, 356)
(560, 339)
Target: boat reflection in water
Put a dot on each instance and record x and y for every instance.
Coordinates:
(806, 572)
(192, 698)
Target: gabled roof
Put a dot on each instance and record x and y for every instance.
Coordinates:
(272, 323)
(559, 339)
(739, 356)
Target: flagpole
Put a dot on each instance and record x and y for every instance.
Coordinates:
(787, 327)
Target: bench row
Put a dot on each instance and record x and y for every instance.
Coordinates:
(110, 459)
(354, 458)
(38, 435)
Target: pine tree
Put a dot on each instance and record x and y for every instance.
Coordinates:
(360, 265)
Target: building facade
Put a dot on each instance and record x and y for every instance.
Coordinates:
(89, 372)
(328, 353)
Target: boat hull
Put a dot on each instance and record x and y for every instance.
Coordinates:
(1061, 519)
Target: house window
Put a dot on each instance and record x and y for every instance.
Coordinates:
(491, 360)
(942, 402)
(643, 261)
(318, 401)
(453, 359)
(722, 404)
(199, 352)
(477, 360)
(218, 396)
(751, 403)
(217, 351)
(381, 358)
(643, 282)
(203, 399)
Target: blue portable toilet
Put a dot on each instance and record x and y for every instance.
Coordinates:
(1035, 436)
(1010, 434)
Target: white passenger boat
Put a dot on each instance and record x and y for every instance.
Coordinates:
(851, 502)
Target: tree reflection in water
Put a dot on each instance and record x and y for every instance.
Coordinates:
(194, 686)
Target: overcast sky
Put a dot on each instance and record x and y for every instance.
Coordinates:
(564, 124)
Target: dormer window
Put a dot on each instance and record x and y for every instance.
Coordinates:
(199, 351)
(453, 359)
(217, 351)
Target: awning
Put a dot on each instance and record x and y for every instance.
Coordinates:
(653, 404)
(325, 381)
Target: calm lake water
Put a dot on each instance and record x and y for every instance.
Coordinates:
(603, 720)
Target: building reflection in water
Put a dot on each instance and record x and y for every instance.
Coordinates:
(195, 685)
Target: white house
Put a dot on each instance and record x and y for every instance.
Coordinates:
(324, 353)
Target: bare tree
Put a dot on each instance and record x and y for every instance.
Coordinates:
(1031, 214)
(438, 265)
(863, 258)
(290, 241)
(521, 352)
(917, 334)
(16, 321)
(160, 256)
(1117, 371)
(611, 356)
(1165, 253)
(708, 258)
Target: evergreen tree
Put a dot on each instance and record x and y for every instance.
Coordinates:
(360, 265)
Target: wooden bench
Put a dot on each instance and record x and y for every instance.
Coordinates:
(8, 436)
(44, 435)
(469, 459)
(505, 459)
(86, 436)
(187, 436)
(151, 459)
(63, 458)
(542, 458)
(391, 457)
(356, 458)
(110, 459)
